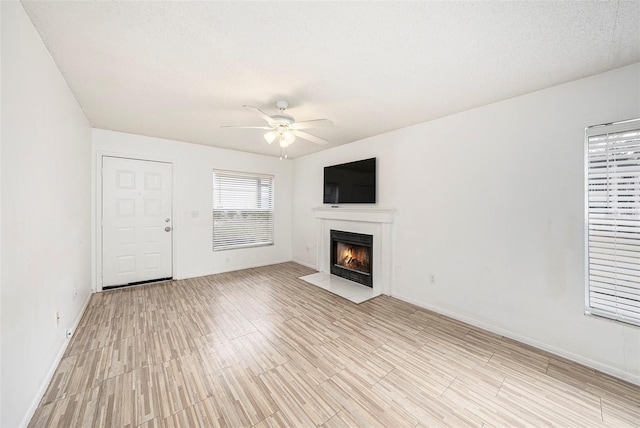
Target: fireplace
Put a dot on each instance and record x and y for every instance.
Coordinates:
(351, 256)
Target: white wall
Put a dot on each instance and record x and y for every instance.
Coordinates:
(490, 201)
(46, 159)
(193, 166)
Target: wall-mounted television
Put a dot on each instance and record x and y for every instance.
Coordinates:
(350, 183)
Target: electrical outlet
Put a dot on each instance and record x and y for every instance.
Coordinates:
(432, 278)
(195, 214)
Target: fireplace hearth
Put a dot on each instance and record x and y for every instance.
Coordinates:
(351, 256)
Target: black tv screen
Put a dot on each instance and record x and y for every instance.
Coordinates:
(350, 183)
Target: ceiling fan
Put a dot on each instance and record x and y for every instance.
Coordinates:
(284, 129)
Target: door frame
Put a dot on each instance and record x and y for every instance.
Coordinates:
(96, 217)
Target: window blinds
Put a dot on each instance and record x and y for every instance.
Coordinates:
(613, 216)
(242, 210)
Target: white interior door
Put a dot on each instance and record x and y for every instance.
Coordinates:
(136, 221)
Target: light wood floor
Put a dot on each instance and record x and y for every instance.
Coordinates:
(261, 348)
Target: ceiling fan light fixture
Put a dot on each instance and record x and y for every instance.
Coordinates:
(283, 143)
(270, 136)
(288, 137)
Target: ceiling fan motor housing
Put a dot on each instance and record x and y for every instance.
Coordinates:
(283, 119)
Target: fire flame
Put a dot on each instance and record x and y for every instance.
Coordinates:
(354, 257)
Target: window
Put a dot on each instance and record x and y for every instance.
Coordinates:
(613, 221)
(242, 210)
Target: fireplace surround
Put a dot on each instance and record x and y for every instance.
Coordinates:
(352, 256)
(371, 220)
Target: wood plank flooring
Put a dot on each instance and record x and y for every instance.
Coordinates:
(260, 347)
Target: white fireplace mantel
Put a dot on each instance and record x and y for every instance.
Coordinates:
(375, 221)
(369, 215)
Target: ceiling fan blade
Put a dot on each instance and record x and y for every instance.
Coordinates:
(260, 113)
(310, 137)
(315, 123)
(248, 127)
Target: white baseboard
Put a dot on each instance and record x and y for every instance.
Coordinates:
(629, 377)
(178, 277)
(253, 266)
(304, 264)
(52, 369)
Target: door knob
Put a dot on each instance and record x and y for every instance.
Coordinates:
(167, 229)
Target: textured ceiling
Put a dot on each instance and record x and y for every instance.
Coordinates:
(180, 70)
